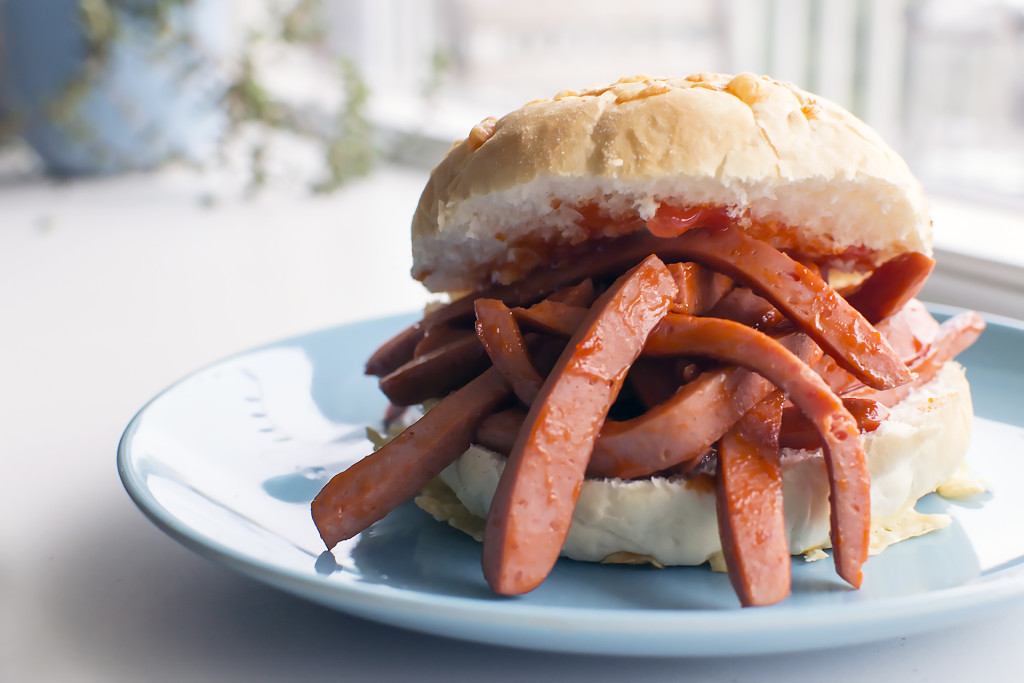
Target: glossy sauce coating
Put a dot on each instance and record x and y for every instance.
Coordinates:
(796, 290)
(436, 372)
(532, 508)
(890, 286)
(673, 221)
(438, 336)
(699, 288)
(803, 296)
(500, 336)
(726, 273)
(551, 317)
(748, 500)
(954, 336)
(679, 429)
(849, 482)
(798, 432)
(371, 488)
(685, 426)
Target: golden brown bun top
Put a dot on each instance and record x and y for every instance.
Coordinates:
(793, 168)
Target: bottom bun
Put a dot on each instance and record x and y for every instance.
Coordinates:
(671, 521)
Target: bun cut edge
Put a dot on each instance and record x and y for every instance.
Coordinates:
(791, 167)
(662, 521)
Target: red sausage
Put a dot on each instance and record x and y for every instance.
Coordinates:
(685, 427)
(551, 317)
(804, 298)
(500, 336)
(380, 482)
(890, 286)
(680, 429)
(748, 499)
(435, 373)
(699, 288)
(498, 432)
(954, 336)
(743, 306)
(849, 482)
(533, 504)
(438, 336)
(582, 294)
(799, 432)
(530, 289)
(909, 331)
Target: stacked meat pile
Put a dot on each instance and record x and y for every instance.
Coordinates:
(694, 345)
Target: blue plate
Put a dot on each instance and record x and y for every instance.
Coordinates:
(227, 460)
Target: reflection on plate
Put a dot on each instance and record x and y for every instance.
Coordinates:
(227, 460)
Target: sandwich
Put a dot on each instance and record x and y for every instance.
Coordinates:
(681, 328)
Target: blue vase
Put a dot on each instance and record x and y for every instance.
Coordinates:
(145, 93)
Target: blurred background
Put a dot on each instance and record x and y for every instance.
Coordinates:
(112, 85)
(184, 179)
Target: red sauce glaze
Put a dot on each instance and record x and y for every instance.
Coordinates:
(671, 221)
(530, 514)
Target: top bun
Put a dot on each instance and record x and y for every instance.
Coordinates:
(792, 168)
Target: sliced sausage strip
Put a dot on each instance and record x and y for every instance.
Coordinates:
(614, 256)
(401, 348)
(799, 432)
(447, 367)
(435, 373)
(498, 432)
(748, 500)
(803, 296)
(849, 483)
(680, 429)
(743, 306)
(909, 331)
(551, 317)
(438, 336)
(396, 351)
(380, 482)
(532, 507)
(582, 294)
(739, 304)
(794, 289)
(955, 335)
(652, 380)
(689, 423)
(501, 338)
(890, 286)
(700, 288)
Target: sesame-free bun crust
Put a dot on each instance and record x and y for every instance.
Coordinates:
(793, 168)
(920, 447)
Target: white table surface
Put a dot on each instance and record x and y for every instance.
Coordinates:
(112, 289)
